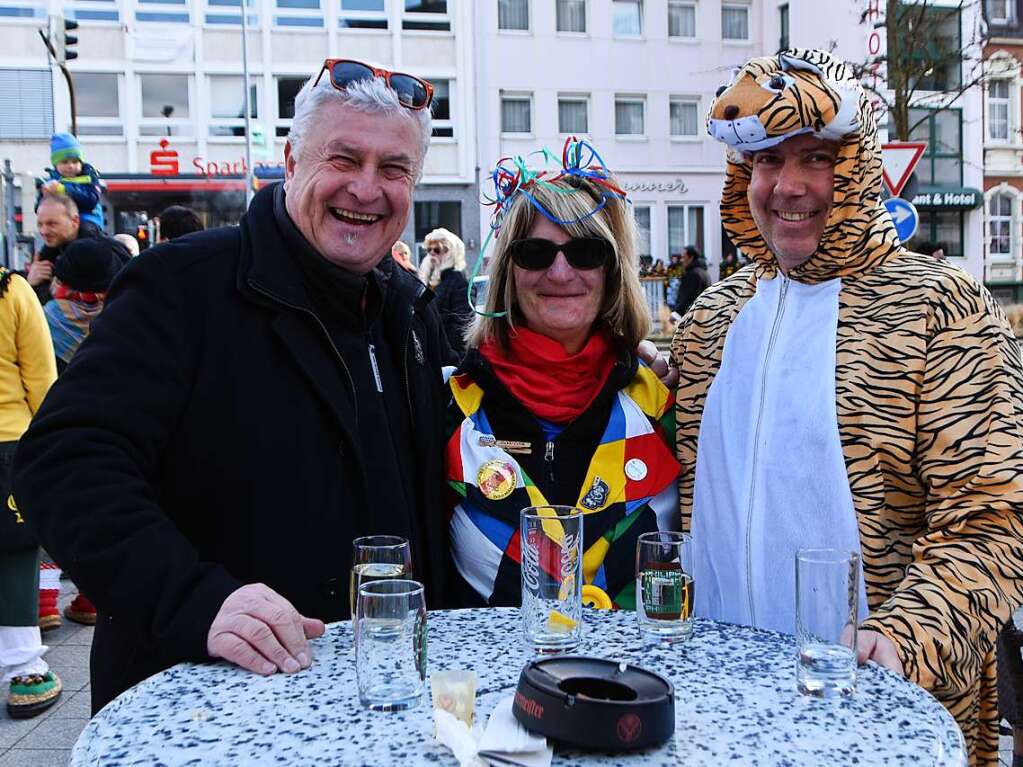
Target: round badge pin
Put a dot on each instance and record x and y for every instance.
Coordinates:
(496, 479)
(635, 469)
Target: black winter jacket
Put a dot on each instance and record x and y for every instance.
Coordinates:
(204, 436)
(453, 305)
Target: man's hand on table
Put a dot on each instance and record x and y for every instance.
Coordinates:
(259, 630)
(872, 645)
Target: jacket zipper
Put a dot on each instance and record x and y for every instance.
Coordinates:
(376, 368)
(779, 313)
(274, 297)
(404, 355)
(548, 459)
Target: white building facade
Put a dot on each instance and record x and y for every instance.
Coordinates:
(160, 94)
(635, 78)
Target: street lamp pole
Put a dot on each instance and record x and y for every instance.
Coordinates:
(248, 110)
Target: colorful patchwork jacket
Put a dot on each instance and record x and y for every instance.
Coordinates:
(614, 462)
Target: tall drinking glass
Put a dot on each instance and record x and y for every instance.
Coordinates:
(390, 644)
(827, 601)
(552, 577)
(664, 586)
(377, 558)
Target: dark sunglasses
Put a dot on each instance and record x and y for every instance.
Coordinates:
(534, 253)
(413, 92)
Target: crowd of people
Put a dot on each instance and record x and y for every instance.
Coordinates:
(837, 390)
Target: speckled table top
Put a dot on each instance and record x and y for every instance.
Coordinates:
(736, 702)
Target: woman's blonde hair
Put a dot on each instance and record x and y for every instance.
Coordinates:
(624, 310)
(432, 267)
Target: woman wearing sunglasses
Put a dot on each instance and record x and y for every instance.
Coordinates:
(443, 271)
(551, 404)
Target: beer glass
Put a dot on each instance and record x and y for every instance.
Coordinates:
(552, 577)
(390, 644)
(664, 586)
(827, 601)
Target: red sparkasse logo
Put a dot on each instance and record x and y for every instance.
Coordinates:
(164, 161)
(629, 728)
(529, 706)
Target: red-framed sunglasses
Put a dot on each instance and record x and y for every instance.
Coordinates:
(413, 92)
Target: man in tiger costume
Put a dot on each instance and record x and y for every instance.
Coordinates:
(842, 391)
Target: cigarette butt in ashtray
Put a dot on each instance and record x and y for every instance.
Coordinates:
(455, 692)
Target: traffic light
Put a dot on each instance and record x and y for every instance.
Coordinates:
(61, 41)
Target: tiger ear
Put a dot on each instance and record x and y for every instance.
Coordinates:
(791, 62)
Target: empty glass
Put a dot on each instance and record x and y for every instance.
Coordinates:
(552, 577)
(664, 586)
(390, 644)
(827, 601)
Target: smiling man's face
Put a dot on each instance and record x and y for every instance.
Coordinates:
(790, 196)
(349, 191)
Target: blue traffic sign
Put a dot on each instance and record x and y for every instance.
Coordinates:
(904, 216)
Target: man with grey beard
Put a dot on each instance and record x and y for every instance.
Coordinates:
(251, 399)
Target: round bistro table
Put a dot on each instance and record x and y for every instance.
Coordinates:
(735, 703)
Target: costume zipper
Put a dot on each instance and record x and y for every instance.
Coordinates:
(274, 297)
(548, 459)
(779, 313)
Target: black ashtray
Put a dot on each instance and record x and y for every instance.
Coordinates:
(595, 704)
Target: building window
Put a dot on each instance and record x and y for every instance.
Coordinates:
(22, 10)
(629, 115)
(685, 227)
(936, 66)
(642, 216)
(165, 105)
(681, 19)
(734, 22)
(941, 162)
(573, 118)
(227, 104)
(26, 103)
(362, 14)
(998, 109)
(426, 15)
(516, 114)
(218, 12)
(287, 90)
(296, 13)
(1001, 12)
(97, 100)
(174, 11)
(999, 225)
(441, 106)
(628, 18)
(783, 26)
(434, 215)
(571, 16)
(513, 14)
(944, 227)
(684, 115)
(93, 10)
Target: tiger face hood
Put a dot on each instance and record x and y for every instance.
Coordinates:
(805, 91)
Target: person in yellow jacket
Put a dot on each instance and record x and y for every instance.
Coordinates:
(27, 369)
(842, 391)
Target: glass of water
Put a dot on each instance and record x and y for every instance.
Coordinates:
(827, 602)
(376, 558)
(664, 586)
(390, 644)
(552, 577)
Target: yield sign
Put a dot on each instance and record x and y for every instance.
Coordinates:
(898, 159)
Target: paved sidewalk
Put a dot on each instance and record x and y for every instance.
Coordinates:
(46, 741)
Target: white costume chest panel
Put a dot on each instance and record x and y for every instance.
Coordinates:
(770, 473)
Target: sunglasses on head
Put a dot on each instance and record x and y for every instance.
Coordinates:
(534, 253)
(413, 92)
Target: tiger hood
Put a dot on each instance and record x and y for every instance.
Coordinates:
(771, 99)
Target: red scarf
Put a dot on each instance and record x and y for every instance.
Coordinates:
(60, 290)
(551, 383)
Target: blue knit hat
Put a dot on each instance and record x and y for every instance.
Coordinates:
(64, 146)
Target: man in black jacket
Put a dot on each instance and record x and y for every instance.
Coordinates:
(250, 400)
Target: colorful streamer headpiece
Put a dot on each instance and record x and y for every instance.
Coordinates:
(521, 175)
